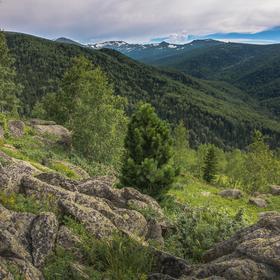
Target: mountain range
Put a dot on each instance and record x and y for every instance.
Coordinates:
(213, 107)
(254, 69)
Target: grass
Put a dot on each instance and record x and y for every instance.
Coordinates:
(62, 168)
(115, 258)
(50, 156)
(20, 203)
(195, 193)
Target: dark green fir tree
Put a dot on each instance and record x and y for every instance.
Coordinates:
(148, 146)
(210, 165)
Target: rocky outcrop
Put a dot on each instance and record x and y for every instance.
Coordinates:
(13, 171)
(252, 253)
(26, 240)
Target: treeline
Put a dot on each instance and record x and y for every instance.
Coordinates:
(213, 113)
(252, 170)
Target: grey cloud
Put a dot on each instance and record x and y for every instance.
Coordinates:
(136, 19)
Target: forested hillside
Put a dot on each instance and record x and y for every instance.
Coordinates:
(253, 68)
(214, 112)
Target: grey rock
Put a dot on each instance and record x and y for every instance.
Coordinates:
(66, 238)
(43, 235)
(26, 269)
(95, 223)
(259, 202)
(12, 173)
(103, 189)
(16, 128)
(167, 264)
(57, 179)
(231, 193)
(154, 231)
(69, 191)
(10, 247)
(62, 134)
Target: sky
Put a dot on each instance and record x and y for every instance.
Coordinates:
(137, 20)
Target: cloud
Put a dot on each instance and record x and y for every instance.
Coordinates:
(136, 20)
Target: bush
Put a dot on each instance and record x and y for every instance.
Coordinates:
(198, 229)
(117, 258)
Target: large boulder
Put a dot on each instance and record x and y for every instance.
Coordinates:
(43, 236)
(15, 245)
(12, 172)
(16, 128)
(231, 193)
(98, 225)
(166, 264)
(62, 134)
(120, 218)
(25, 269)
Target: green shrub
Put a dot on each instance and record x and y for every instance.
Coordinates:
(198, 229)
(61, 266)
(118, 258)
(64, 169)
(16, 272)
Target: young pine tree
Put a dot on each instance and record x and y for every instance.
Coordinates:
(148, 147)
(210, 165)
(9, 89)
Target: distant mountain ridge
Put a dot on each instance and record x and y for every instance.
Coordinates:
(149, 53)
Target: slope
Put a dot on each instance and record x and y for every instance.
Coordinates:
(214, 112)
(253, 68)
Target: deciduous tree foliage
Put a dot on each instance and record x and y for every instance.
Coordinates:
(148, 147)
(98, 119)
(9, 89)
(261, 166)
(85, 103)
